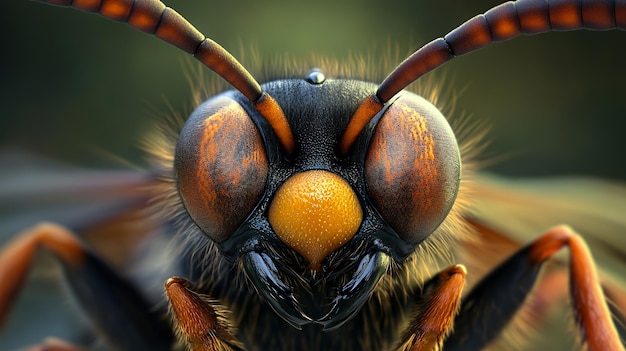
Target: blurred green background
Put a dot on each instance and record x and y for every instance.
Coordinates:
(75, 84)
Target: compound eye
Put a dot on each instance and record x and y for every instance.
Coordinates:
(412, 168)
(221, 167)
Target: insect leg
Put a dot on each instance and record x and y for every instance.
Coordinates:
(201, 323)
(116, 308)
(439, 302)
(492, 303)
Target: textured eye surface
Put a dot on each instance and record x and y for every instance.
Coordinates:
(221, 166)
(412, 167)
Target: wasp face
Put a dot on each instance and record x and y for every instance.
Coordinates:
(316, 230)
(315, 199)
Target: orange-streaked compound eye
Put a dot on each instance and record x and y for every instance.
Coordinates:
(412, 167)
(221, 166)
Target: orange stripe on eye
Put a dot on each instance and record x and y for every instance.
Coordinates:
(419, 151)
(205, 184)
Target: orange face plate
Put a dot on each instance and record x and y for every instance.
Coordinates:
(315, 212)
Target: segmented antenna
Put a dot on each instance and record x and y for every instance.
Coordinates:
(153, 17)
(503, 22)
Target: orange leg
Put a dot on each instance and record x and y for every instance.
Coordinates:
(201, 323)
(17, 255)
(493, 302)
(117, 309)
(434, 318)
(590, 306)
